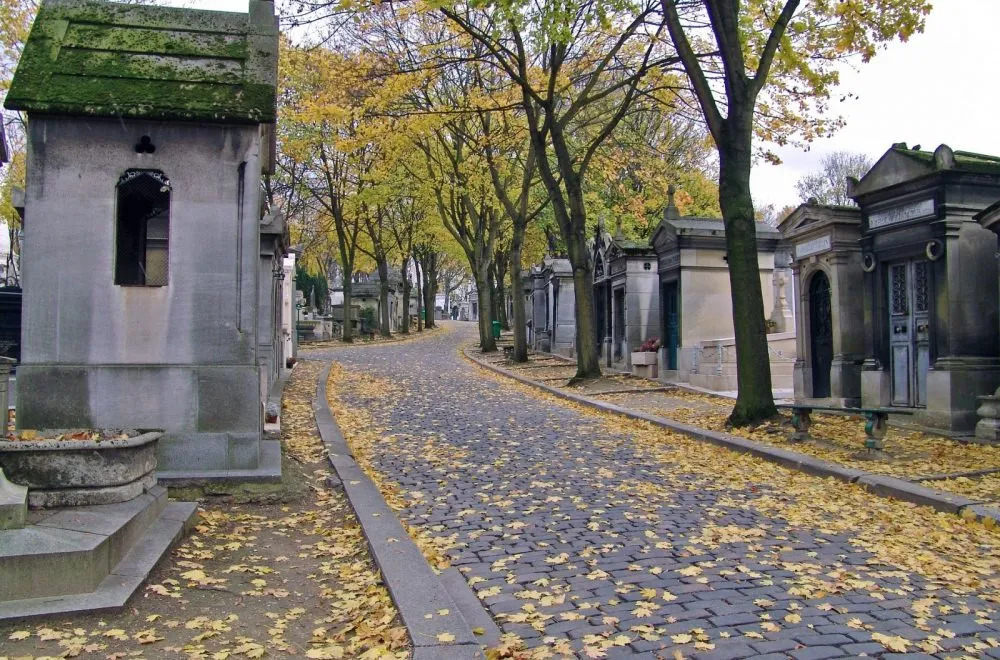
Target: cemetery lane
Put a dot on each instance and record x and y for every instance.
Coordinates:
(584, 533)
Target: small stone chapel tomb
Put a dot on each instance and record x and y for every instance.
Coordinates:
(144, 272)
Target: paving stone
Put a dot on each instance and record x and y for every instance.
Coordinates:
(822, 640)
(774, 646)
(727, 650)
(816, 653)
(868, 648)
(516, 452)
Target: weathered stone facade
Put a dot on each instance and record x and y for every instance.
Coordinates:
(696, 317)
(180, 337)
(626, 296)
(931, 340)
(826, 255)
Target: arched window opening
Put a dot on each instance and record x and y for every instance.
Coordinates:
(143, 228)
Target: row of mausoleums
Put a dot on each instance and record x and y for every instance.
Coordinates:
(898, 296)
(895, 300)
(674, 289)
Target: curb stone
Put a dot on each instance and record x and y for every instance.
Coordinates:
(414, 587)
(880, 485)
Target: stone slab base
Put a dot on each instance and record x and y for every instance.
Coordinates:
(125, 576)
(268, 470)
(65, 497)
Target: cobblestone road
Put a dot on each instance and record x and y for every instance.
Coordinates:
(585, 534)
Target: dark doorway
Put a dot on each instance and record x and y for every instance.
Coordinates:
(671, 323)
(600, 313)
(10, 322)
(821, 334)
(619, 327)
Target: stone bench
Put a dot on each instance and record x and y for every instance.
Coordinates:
(876, 421)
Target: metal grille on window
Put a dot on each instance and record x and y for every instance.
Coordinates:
(921, 297)
(897, 273)
(141, 255)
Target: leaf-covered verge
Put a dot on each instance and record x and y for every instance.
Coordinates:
(915, 553)
(250, 581)
(909, 454)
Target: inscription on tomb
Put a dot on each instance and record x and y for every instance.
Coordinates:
(815, 246)
(902, 213)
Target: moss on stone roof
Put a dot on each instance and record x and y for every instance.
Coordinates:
(965, 161)
(628, 245)
(90, 57)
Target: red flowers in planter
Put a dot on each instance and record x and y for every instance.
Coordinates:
(651, 345)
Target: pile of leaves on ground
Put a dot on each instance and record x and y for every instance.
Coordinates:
(275, 580)
(909, 454)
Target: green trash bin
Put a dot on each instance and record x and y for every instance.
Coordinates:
(496, 329)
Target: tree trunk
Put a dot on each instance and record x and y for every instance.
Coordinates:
(383, 298)
(588, 362)
(420, 296)
(491, 280)
(447, 297)
(347, 331)
(404, 327)
(755, 401)
(520, 314)
(501, 291)
(430, 288)
(486, 340)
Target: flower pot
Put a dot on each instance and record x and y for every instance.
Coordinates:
(81, 472)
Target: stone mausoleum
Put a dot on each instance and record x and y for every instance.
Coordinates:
(696, 318)
(151, 284)
(626, 296)
(552, 307)
(897, 298)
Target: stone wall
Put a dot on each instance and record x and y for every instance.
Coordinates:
(181, 357)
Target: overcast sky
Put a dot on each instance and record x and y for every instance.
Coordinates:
(941, 86)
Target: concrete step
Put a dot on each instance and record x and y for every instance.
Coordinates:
(70, 550)
(120, 581)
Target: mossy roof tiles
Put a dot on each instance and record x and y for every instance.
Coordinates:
(965, 161)
(88, 57)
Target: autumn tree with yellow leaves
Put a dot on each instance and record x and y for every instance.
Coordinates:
(765, 69)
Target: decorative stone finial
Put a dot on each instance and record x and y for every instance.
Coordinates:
(671, 212)
(944, 158)
(619, 234)
(851, 185)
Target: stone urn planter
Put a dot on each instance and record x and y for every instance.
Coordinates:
(644, 364)
(78, 468)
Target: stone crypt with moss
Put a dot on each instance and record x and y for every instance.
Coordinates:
(148, 130)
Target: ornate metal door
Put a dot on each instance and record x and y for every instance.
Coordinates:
(820, 334)
(672, 315)
(909, 331)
